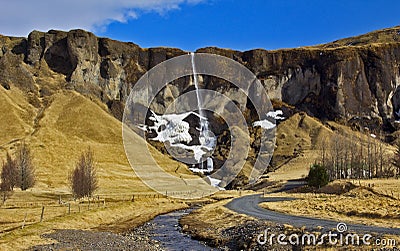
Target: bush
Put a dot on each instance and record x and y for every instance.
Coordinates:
(318, 176)
(396, 160)
(9, 174)
(84, 177)
(26, 170)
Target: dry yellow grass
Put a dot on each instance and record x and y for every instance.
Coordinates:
(69, 125)
(210, 220)
(360, 205)
(298, 141)
(16, 116)
(127, 214)
(298, 135)
(384, 186)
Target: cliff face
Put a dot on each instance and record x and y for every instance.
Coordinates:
(349, 80)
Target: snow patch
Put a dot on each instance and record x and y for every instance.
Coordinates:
(198, 150)
(171, 128)
(215, 182)
(199, 170)
(266, 124)
(175, 129)
(275, 114)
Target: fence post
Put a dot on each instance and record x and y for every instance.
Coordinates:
(23, 223)
(41, 215)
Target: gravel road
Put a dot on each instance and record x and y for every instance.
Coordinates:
(249, 205)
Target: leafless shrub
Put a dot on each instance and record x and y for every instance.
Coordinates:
(26, 170)
(83, 178)
(396, 161)
(9, 174)
(350, 157)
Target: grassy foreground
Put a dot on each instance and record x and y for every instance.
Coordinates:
(57, 130)
(375, 202)
(115, 216)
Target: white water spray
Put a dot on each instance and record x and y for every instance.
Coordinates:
(196, 85)
(206, 137)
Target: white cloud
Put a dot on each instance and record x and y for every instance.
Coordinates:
(19, 17)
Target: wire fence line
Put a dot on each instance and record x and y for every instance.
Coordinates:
(68, 198)
(25, 213)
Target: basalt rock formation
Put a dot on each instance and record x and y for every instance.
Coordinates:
(351, 79)
(355, 81)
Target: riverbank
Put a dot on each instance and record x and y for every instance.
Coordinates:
(115, 217)
(220, 227)
(161, 233)
(71, 239)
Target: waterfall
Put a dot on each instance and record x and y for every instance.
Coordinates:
(206, 138)
(196, 85)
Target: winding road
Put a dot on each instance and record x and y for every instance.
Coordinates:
(249, 205)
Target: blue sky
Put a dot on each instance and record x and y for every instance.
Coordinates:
(250, 24)
(192, 24)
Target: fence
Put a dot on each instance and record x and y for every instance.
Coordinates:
(16, 214)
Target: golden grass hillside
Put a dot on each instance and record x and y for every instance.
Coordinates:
(16, 116)
(67, 126)
(298, 141)
(57, 134)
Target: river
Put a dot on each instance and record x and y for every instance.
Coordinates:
(166, 230)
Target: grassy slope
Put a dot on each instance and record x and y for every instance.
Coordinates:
(388, 35)
(298, 134)
(303, 135)
(70, 124)
(16, 116)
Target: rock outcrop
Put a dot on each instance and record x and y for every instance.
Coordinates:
(354, 81)
(338, 81)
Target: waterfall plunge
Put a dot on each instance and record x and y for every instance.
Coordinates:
(206, 137)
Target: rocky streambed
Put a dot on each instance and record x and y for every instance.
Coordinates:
(161, 233)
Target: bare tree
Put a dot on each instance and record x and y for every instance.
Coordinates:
(83, 178)
(9, 174)
(396, 160)
(26, 170)
(324, 151)
(346, 157)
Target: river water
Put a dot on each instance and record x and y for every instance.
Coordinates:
(166, 230)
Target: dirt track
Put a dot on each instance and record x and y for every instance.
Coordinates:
(249, 205)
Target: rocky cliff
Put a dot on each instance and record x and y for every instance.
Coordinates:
(354, 81)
